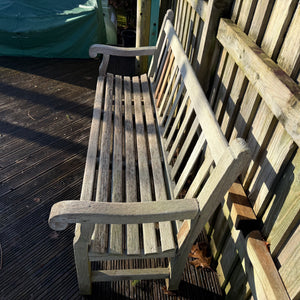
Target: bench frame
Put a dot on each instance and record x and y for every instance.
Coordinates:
(230, 160)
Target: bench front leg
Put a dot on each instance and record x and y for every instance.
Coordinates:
(83, 233)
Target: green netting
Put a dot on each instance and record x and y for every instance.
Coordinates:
(56, 28)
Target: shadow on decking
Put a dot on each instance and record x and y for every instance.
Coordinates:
(45, 114)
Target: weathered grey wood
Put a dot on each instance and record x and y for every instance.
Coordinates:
(262, 261)
(179, 114)
(289, 259)
(237, 157)
(174, 107)
(288, 58)
(182, 23)
(149, 235)
(244, 19)
(189, 165)
(198, 99)
(161, 40)
(171, 100)
(226, 261)
(132, 239)
(200, 7)
(166, 97)
(103, 181)
(96, 256)
(278, 90)
(187, 142)
(215, 10)
(104, 64)
(189, 31)
(279, 151)
(160, 91)
(83, 232)
(130, 274)
(186, 25)
(115, 232)
(166, 232)
(131, 129)
(75, 211)
(277, 25)
(200, 176)
(284, 210)
(161, 64)
(97, 49)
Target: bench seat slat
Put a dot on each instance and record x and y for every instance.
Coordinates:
(91, 159)
(166, 232)
(103, 180)
(149, 234)
(132, 238)
(115, 232)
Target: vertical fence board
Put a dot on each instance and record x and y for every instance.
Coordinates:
(289, 259)
(283, 213)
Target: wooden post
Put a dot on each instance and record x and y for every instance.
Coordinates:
(208, 46)
(143, 12)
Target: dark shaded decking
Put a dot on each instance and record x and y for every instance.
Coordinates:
(45, 115)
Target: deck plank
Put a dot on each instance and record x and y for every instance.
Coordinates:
(49, 152)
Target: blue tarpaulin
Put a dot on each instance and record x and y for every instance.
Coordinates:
(56, 28)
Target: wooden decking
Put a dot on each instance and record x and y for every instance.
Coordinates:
(45, 114)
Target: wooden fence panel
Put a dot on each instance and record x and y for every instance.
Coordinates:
(268, 118)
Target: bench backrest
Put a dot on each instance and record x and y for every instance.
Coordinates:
(192, 139)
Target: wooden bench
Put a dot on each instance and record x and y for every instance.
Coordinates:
(157, 167)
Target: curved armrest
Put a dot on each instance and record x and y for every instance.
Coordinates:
(120, 51)
(76, 211)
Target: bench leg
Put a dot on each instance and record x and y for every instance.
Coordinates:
(177, 263)
(83, 265)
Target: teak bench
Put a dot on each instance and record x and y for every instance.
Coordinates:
(155, 173)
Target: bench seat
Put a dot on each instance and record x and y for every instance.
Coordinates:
(131, 165)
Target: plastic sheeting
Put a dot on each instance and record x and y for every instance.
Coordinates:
(56, 28)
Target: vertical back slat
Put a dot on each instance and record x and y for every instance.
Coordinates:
(189, 165)
(174, 107)
(179, 114)
(166, 97)
(180, 136)
(199, 177)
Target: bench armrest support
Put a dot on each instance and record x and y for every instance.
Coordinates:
(76, 211)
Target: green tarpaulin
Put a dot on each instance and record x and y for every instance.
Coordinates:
(56, 28)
